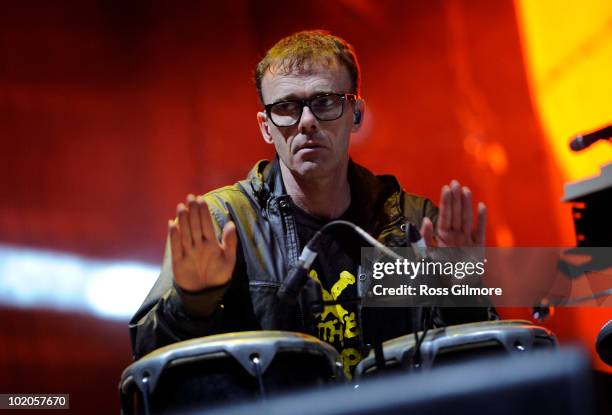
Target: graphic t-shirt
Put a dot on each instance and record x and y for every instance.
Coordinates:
(336, 269)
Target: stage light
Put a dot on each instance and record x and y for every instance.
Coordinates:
(46, 279)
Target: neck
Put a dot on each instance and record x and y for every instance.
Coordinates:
(326, 197)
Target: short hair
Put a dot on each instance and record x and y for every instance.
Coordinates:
(296, 51)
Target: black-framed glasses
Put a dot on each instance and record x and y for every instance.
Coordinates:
(325, 107)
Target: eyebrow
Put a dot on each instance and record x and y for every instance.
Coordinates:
(293, 97)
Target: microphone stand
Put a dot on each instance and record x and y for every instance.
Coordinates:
(298, 278)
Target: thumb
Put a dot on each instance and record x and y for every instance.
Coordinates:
(427, 231)
(229, 241)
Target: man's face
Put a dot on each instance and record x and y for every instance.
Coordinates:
(311, 148)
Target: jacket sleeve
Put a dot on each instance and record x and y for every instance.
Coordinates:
(169, 314)
(416, 208)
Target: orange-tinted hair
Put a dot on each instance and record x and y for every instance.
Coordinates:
(297, 51)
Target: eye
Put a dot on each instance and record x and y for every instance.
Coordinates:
(285, 107)
(327, 101)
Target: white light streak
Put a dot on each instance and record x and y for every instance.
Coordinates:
(48, 279)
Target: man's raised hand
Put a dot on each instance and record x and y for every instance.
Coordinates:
(455, 227)
(199, 261)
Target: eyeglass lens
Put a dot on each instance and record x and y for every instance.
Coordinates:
(325, 108)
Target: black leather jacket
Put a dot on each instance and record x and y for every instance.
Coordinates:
(268, 245)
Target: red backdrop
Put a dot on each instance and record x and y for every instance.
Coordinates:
(111, 112)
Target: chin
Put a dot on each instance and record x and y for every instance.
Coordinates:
(312, 168)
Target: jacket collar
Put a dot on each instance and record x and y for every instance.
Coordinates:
(377, 198)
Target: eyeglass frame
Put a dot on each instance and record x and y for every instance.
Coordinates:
(306, 103)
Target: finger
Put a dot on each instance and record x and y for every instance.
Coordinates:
(456, 205)
(183, 224)
(481, 226)
(229, 240)
(427, 231)
(445, 214)
(466, 206)
(176, 247)
(206, 221)
(194, 219)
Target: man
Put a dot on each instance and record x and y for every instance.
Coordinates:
(229, 251)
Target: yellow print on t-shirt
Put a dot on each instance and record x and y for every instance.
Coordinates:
(336, 323)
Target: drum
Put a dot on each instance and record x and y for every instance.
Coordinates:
(203, 372)
(451, 344)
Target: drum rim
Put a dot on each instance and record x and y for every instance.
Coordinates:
(436, 338)
(270, 342)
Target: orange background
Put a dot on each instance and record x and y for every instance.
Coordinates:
(111, 112)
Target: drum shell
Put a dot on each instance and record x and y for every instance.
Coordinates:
(460, 343)
(212, 370)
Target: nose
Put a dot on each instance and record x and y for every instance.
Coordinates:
(308, 122)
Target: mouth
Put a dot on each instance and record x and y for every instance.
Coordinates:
(308, 146)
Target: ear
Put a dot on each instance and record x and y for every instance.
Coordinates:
(262, 120)
(358, 107)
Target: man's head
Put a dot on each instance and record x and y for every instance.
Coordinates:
(309, 85)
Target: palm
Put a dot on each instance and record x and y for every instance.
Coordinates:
(199, 260)
(455, 220)
(453, 238)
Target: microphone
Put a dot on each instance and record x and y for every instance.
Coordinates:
(417, 242)
(580, 142)
(298, 275)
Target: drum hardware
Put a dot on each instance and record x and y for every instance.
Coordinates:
(258, 375)
(458, 343)
(421, 318)
(145, 392)
(226, 367)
